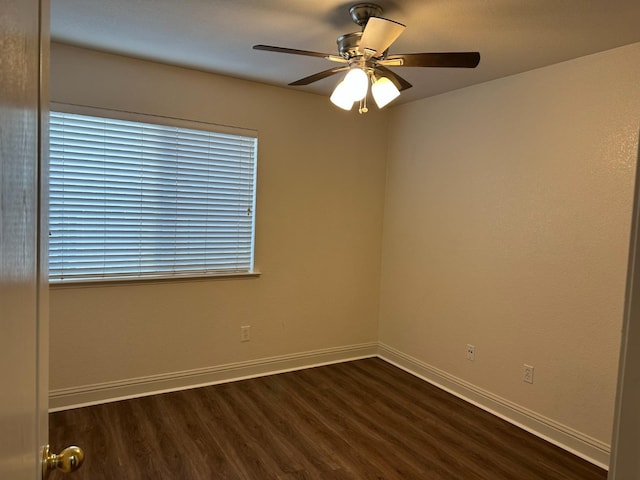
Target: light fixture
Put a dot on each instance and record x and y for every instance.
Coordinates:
(341, 97)
(354, 88)
(357, 83)
(384, 91)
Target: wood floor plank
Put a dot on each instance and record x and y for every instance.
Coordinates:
(444, 438)
(287, 428)
(360, 420)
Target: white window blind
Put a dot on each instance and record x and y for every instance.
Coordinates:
(132, 199)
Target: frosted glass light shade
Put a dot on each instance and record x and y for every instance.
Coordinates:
(384, 91)
(357, 83)
(341, 97)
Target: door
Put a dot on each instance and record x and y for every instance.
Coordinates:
(23, 302)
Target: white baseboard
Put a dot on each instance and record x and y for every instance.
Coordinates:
(85, 395)
(582, 445)
(590, 449)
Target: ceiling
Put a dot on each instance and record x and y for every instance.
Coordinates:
(512, 36)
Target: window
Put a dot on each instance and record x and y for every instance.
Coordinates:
(136, 200)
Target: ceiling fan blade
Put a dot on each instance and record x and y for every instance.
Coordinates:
(398, 81)
(269, 48)
(449, 59)
(319, 76)
(379, 34)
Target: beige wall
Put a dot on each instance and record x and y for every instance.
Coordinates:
(318, 232)
(507, 219)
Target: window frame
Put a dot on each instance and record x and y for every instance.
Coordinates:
(162, 120)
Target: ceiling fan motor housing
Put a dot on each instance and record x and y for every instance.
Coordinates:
(348, 45)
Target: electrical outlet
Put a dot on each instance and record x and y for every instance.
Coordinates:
(528, 374)
(245, 333)
(471, 352)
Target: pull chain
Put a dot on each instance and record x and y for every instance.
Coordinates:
(363, 106)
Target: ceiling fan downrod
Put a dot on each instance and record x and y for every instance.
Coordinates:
(361, 12)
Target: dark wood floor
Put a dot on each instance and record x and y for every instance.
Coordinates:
(358, 420)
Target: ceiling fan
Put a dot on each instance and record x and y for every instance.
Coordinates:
(365, 56)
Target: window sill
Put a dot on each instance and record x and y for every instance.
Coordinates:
(119, 281)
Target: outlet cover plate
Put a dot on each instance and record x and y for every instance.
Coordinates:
(471, 352)
(527, 375)
(245, 333)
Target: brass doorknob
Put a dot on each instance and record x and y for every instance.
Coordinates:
(66, 461)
